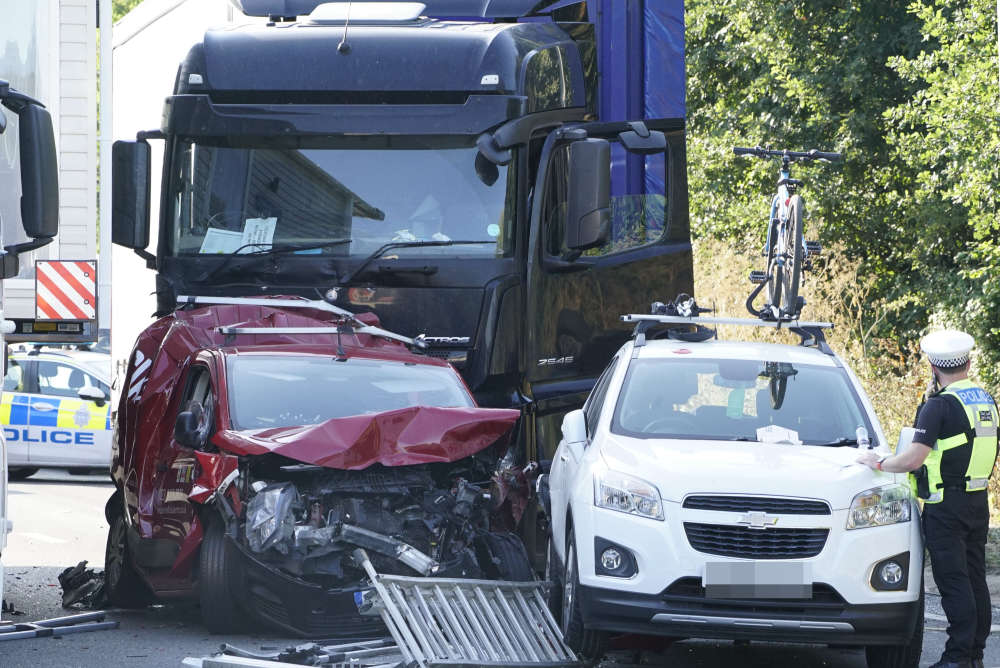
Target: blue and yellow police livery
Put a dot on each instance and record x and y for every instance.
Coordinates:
(56, 411)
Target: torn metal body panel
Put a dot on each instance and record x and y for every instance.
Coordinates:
(284, 452)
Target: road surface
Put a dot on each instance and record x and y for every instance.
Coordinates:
(59, 521)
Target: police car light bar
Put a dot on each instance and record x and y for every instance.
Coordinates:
(746, 322)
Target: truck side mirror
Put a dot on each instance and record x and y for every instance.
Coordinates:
(39, 174)
(588, 215)
(130, 170)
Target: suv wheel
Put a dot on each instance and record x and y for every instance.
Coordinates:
(588, 643)
(901, 656)
(123, 585)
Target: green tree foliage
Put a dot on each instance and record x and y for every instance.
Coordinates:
(120, 8)
(908, 92)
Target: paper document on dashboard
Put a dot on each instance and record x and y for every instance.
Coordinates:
(772, 433)
(258, 234)
(223, 242)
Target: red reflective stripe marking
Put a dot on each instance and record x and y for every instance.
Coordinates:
(46, 310)
(63, 299)
(84, 293)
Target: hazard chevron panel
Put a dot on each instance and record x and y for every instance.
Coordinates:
(65, 289)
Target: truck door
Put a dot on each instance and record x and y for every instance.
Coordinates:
(574, 300)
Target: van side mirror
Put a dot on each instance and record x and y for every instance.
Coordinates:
(574, 427)
(588, 215)
(39, 173)
(130, 173)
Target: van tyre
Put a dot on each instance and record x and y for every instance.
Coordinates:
(219, 586)
(901, 656)
(122, 584)
(588, 643)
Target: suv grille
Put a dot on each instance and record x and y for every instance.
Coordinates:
(743, 504)
(742, 542)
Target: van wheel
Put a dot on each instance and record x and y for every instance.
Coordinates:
(220, 576)
(21, 473)
(901, 656)
(122, 584)
(588, 643)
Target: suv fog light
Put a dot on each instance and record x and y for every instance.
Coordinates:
(891, 574)
(613, 560)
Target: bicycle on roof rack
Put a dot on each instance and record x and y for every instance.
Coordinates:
(787, 254)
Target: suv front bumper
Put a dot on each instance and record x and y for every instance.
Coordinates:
(826, 621)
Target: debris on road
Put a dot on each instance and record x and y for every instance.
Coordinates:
(83, 588)
(57, 627)
(433, 622)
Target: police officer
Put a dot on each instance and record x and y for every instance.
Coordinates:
(950, 460)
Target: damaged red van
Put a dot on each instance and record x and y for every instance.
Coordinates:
(259, 442)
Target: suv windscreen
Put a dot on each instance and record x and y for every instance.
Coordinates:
(711, 399)
(265, 391)
(246, 196)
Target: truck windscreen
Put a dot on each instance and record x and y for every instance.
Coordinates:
(246, 198)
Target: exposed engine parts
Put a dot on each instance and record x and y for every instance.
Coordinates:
(418, 520)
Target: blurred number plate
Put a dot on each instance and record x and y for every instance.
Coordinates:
(757, 579)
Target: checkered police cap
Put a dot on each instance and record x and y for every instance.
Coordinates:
(948, 348)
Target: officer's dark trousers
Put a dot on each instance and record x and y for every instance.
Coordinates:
(955, 534)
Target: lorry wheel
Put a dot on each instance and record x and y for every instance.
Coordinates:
(122, 584)
(21, 473)
(901, 656)
(218, 587)
(588, 643)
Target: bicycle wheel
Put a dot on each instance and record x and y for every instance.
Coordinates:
(775, 273)
(793, 258)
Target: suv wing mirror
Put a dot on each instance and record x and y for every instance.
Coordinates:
(588, 215)
(130, 173)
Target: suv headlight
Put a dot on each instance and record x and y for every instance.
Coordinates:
(627, 494)
(879, 506)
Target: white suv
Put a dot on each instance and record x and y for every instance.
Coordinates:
(710, 490)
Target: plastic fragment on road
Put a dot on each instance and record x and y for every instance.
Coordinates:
(83, 588)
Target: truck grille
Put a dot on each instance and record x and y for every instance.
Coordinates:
(745, 543)
(744, 504)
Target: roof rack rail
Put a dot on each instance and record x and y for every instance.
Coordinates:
(810, 333)
(355, 326)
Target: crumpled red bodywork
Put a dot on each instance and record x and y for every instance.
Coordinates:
(416, 435)
(161, 480)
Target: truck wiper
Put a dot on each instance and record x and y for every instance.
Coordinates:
(381, 250)
(275, 249)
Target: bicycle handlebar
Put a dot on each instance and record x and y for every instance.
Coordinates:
(761, 152)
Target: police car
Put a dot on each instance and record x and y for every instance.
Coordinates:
(710, 489)
(55, 411)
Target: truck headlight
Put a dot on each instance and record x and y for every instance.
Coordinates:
(879, 506)
(627, 494)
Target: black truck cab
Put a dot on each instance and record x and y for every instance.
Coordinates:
(448, 169)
